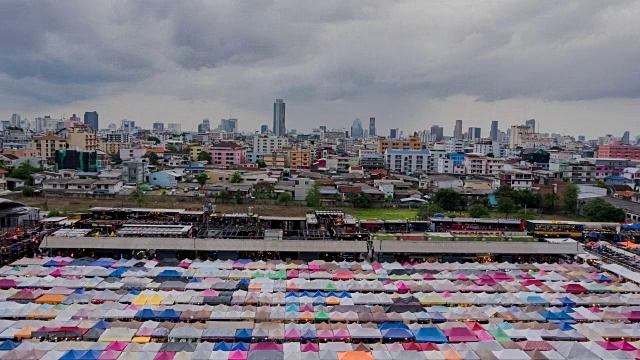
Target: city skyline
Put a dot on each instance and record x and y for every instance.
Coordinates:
(180, 63)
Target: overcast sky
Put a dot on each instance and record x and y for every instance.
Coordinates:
(572, 65)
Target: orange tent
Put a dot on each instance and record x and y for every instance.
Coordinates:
(53, 299)
(451, 355)
(629, 244)
(25, 333)
(355, 355)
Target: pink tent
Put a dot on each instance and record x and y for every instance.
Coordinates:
(117, 346)
(594, 309)
(184, 265)
(132, 307)
(266, 346)
(624, 345)
(306, 307)
(428, 276)
(164, 355)
(341, 334)
(145, 331)
(238, 355)
(462, 277)
(56, 273)
(292, 274)
(445, 294)
(325, 335)
(402, 286)
(343, 275)
(502, 276)
(526, 276)
(209, 292)
(292, 334)
(309, 347)
(608, 345)
(109, 355)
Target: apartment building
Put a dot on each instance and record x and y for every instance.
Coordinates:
(414, 143)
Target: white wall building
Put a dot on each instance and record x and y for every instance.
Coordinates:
(406, 160)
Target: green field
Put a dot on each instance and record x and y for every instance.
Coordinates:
(379, 214)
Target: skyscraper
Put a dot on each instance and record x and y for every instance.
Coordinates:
(205, 126)
(15, 120)
(91, 119)
(532, 124)
(279, 125)
(393, 133)
(158, 125)
(264, 128)
(229, 125)
(474, 133)
(127, 126)
(372, 126)
(356, 129)
(494, 131)
(626, 138)
(457, 131)
(437, 132)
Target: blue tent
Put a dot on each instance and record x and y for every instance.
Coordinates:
(318, 293)
(135, 292)
(146, 314)
(305, 293)
(222, 346)
(101, 325)
(392, 325)
(119, 272)
(292, 307)
(344, 294)
(8, 345)
(537, 300)
(90, 355)
(635, 226)
(244, 261)
(169, 315)
(436, 317)
(242, 346)
(568, 309)
(72, 355)
(103, 263)
(244, 334)
(566, 301)
(195, 280)
(319, 300)
(564, 326)
(397, 334)
(169, 273)
(50, 263)
(309, 335)
(292, 294)
(431, 334)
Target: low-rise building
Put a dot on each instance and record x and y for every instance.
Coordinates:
(108, 186)
(516, 179)
(406, 160)
(164, 179)
(227, 154)
(48, 144)
(135, 171)
(69, 185)
(475, 164)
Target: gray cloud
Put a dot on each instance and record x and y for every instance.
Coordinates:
(245, 53)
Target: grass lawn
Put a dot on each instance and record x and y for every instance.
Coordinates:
(387, 214)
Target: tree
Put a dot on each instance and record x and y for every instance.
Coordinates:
(549, 202)
(506, 206)
(154, 139)
(359, 199)
(427, 210)
(237, 197)
(202, 179)
(27, 190)
(261, 164)
(313, 196)
(236, 178)
(137, 195)
(601, 211)
(223, 194)
(171, 148)
(479, 211)
(448, 199)
(601, 184)
(570, 198)
(526, 198)
(204, 156)
(23, 171)
(504, 191)
(53, 213)
(153, 158)
(490, 155)
(116, 159)
(263, 190)
(284, 198)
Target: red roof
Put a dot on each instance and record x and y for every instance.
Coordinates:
(156, 150)
(349, 189)
(3, 171)
(379, 172)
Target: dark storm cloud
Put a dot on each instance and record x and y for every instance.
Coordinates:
(309, 51)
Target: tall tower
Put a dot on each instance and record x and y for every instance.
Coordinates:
(91, 119)
(532, 124)
(372, 126)
(457, 131)
(494, 131)
(279, 125)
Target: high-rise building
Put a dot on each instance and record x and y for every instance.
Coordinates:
(127, 125)
(279, 124)
(174, 127)
(437, 133)
(205, 126)
(372, 126)
(626, 138)
(474, 133)
(494, 131)
(264, 128)
(457, 131)
(356, 129)
(91, 119)
(323, 128)
(15, 120)
(158, 125)
(229, 125)
(532, 124)
(582, 138)
(393, 133)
